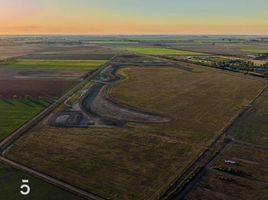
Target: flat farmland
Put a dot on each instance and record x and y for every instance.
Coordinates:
(10, 182)
(194, 101)
(252, 125)
(90, 52)
(33, 89)
(11, 51)
(156, 51)
(246, 179)
(19, 74)
(14, 113)
(218, 49)
(141, 161)
(35, 64)
(256, 50)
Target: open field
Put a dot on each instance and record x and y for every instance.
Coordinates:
(219, 49)
(11, 180)
(252, 126)
(189, 105)
(163, 41)
(204, 41)
(33, 89)
(9, 51)
(89, 52)
(111, 42)
(255, 50)
(34, 64)
(156, 51)
(246, 179)
(140, 161)
(15, 113)
(228, 49)
(20, 74)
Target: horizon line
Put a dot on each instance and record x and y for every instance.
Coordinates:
(130, 34)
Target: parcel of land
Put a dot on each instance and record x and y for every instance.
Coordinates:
(148, 117)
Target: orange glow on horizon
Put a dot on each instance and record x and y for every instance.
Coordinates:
(133, 17)
(139, 29)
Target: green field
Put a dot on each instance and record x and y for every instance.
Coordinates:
(14, 113)
(156, 51)
(30, 64)
(253, 125)
(255, 51)
(10, 182)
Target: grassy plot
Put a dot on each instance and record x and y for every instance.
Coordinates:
(11, 180)
(15, 113)
(141, 161)
(156, 51)
(34, 64)
(253, 125)
(255, 51)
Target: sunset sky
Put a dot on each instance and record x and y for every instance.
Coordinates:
(134, 17)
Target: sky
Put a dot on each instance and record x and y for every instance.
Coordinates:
(134, 17)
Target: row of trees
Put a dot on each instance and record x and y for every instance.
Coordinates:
(242, 66)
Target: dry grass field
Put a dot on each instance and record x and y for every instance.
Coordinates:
(194, 100)
(245, 180)
(10, 51)
(140, 161)
(252, 126)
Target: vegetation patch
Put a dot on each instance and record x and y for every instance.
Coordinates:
(255, 50)
(14, 113)
(252, 126)
(34, 64)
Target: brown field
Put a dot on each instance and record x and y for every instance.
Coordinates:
(33, 89)
(140, 161)
(10, 51)
(90, 52)
(247, 180)
(6, 74)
